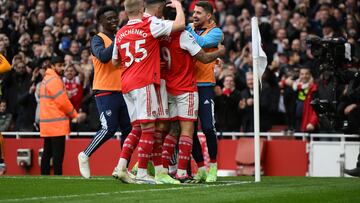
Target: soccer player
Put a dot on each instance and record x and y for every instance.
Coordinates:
(107, 87)
(178, 51)
(208, 36)
(137, 48)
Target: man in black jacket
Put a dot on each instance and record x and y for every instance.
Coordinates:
(227, 111)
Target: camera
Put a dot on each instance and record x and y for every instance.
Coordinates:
(333, 57)
(331, 53)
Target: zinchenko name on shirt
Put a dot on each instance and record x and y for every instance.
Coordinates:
(131, 32)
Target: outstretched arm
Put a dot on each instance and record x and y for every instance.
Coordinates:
(207, 57)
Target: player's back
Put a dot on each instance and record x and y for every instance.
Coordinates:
(179, 74)
(140, 55)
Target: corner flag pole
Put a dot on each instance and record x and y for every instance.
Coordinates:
(259, 65)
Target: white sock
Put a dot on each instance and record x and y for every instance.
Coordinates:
(202, 168)
(213, 164)
(158, 169)
(84, 156)
(141, 172)
(172, 169)
(122, 164)
(181, 173)
(166, 171)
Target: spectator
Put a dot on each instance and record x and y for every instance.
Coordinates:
(227, 111)
(247, 106)
(5, 117)
(303, 86)
(73, 85)
(15, 84)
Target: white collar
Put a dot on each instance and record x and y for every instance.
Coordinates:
(134, 21)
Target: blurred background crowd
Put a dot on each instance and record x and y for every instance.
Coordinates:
(32, 31)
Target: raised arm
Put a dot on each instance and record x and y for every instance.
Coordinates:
(179, 23)
(207, 57)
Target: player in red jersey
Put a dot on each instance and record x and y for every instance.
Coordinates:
(178, 51)
(137, 49)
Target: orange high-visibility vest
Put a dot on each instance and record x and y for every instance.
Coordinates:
(55, 106)
(106, 75)
(205, 72)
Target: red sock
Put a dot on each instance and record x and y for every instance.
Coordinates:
(145, 146)
(157, 148)
(200, 164)
(185, 147)
(168, 149)
(131, 142)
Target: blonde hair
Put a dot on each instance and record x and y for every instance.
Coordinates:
(133, 7)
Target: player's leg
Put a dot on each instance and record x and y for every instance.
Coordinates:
(130, 142)
(146, 97)
(170, 141)
(197, 153)
(208, 127)
(126, 129)
(124, 119)
(58, 149)
(188, 108)
(162, 126)
(108, 106)
(185, 148)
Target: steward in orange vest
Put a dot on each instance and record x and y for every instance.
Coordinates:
(55, 111)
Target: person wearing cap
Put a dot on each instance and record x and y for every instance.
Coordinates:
(56, 111)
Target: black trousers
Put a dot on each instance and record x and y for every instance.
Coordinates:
(206, 116)
(54, 148)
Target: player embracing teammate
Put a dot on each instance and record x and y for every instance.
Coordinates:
(137, 48)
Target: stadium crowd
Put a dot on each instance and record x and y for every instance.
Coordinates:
(31, 32)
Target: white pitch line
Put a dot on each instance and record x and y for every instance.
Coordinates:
(120, 192)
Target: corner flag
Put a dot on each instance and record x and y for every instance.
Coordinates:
(259, 66)
(258, 54)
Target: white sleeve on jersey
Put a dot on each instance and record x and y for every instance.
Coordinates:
(159, 27)
(115, 54)
(187, 42)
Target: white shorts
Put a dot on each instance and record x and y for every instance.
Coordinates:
(142, 104)
(162, 97)
(184, 107)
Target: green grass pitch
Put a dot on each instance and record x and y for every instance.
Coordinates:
(229, 189)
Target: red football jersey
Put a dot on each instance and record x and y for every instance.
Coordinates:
(74, 89)
(139, 49)
(178, 50)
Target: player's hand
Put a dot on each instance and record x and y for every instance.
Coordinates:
(222, 49)
(174, 4)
